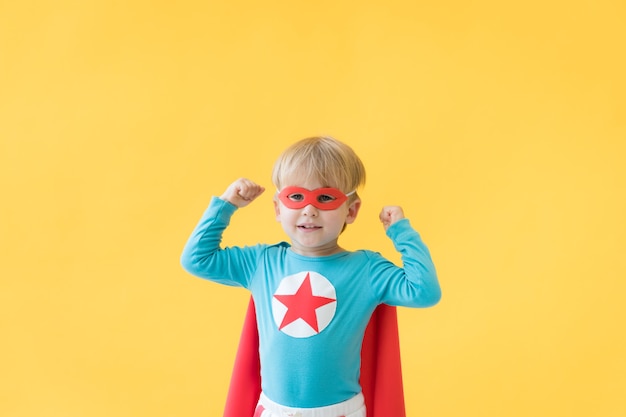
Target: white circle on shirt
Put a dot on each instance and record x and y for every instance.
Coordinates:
(304, 304)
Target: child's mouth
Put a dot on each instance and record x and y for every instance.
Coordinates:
(308, 227)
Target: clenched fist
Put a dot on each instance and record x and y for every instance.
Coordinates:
(242, 192)
(390, 214)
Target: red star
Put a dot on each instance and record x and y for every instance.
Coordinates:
(302, 305)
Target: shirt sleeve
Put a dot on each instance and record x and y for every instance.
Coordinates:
(204, 257)
(415, 284)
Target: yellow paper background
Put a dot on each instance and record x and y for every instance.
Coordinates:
(499, 127)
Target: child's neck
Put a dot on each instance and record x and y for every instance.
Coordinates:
(317, 252)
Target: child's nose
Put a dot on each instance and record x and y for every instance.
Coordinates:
(310, 210)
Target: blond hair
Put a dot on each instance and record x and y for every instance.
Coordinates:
(331, 162)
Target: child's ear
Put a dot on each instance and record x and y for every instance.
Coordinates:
(277, 210)
(353, 210)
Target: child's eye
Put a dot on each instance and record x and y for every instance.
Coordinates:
(325, 198)
(296, 197)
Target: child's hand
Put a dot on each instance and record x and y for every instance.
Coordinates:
(390, 214)
(242, 192)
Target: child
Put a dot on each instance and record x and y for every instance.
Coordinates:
(313, 299)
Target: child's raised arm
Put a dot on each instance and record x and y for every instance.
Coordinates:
(416, 283)
(242, 192)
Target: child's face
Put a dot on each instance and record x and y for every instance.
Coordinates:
(315, 227)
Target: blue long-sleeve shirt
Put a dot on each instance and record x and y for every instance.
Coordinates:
(312, 311)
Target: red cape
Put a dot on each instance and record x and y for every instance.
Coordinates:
(381, 374)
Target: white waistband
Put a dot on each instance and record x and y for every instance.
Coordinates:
(335, 410)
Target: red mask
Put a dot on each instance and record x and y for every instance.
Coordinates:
(322, 198)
